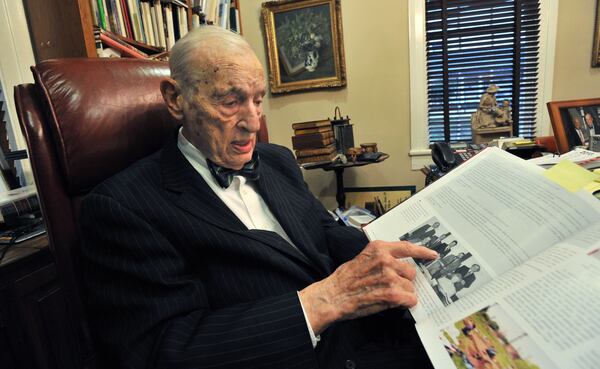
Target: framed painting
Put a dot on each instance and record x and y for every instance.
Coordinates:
(596, 52)
(378, 200)
(304, 44)
(576, 123)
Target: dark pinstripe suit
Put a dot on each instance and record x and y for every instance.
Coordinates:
(175, 280)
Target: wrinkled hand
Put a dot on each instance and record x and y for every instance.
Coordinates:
(373, 281)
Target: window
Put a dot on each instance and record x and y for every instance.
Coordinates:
(471, 44)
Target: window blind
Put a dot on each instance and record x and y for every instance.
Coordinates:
(472, 44)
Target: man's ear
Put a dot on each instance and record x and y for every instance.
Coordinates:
(171, 93)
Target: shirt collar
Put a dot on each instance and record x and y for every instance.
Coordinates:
(190, 151)
(198, 161)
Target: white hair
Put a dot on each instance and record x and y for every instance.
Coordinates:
(189, 59)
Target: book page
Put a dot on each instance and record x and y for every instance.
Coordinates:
(548, 318)
(486, 217)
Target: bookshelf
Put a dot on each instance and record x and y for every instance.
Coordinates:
(63, 29)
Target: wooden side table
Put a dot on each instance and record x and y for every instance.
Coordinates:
(338, 168)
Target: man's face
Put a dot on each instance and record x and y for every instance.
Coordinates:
(222, 118)
(589, 120)
(577, 122)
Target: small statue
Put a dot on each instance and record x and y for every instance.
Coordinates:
(505, 118)
(489, 114)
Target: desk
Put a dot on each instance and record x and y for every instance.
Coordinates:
(338, 168)
(36, 327)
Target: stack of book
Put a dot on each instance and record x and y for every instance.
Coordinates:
(313, 141)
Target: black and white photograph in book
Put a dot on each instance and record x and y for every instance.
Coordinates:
(456, 271)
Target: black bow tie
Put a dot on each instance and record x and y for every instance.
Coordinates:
(224, 176)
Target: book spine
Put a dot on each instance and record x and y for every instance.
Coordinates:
(316, 158)
(314, 136)
(299, 132)
(135, 20)
(184, 22)
(160, 25)
(122, 48)
(223, 12)
(127, 20)
(313, 124)
(233, 19)
(312, 152)
(110, 17)
(147, 23)
(95, 12)
(175, 17)
(170, 28)
(105, 22)
(101, 16)
(138, 6)
(120, 20)
(312, 143)
(154, 25)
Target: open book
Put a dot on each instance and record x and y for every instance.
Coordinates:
(517, 284)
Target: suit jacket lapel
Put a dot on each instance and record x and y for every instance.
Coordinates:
(288, 206)
(194, 195)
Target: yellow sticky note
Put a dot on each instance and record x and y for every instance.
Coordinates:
(570, 175)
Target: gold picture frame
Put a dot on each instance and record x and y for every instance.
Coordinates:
(596, 52)
(305, 44)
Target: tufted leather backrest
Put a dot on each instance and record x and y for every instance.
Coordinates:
(85, 120)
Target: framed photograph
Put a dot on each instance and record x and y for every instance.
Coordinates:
(305, 44)
(575, 123)
(596, 52)
(378, 200)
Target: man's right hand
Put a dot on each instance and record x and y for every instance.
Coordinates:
(373, 281)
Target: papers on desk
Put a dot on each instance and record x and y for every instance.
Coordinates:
(572, 176)
(575, 156)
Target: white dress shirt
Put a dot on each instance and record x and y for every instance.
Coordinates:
(580, 134)
(242, 199)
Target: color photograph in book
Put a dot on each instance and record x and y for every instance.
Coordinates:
(491, 339)
(456, 271)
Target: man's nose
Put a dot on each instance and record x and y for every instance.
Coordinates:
(251, 116)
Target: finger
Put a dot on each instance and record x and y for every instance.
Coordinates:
(403, 249)
(399, 297)
(406, 270)
(399, 293)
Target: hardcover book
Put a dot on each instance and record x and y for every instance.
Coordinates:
(312, 124)
(312, 141)
(306, 131)
(310, 152)
(316, 158)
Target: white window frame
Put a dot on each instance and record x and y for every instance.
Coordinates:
(15, 59)
(419, 139)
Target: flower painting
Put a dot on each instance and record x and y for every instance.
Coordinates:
(304, 40)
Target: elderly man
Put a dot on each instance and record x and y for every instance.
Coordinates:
(579, 138)
(212, 253)
(590, 127)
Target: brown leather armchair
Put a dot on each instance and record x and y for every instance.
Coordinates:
(85, 120)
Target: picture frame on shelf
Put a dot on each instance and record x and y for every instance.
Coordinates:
(565, 116)
(305, 44)
(596, 50)
(377, 200)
